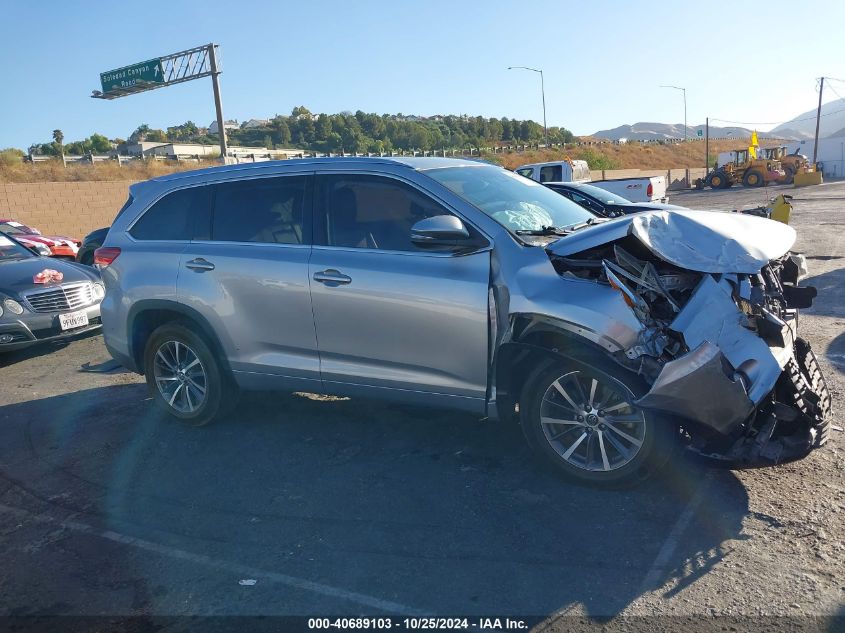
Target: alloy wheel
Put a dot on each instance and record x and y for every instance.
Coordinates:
(180, 377)
(590, 422)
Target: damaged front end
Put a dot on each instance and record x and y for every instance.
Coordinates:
(718, 343)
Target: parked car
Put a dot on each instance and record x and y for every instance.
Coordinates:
(39, 248)
(604, 203)
(651, 189)
(43, 299)
(91, 243)
(59, 246)
(454, 283)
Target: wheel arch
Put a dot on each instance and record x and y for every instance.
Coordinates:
(537, 341)
(145, 316)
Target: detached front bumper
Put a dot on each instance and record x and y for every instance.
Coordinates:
(753, 397)
(31, 328)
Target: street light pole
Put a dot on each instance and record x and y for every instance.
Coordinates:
(684, 90)
(543, 92)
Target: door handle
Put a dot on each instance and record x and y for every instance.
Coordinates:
(199, 265)
(332, 277)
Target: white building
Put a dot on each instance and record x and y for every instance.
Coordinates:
(831, 154)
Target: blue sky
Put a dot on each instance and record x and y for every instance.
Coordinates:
(603, 60)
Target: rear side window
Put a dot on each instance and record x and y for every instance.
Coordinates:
(174, 216)
(264, 210)
(551, 173)
(528, 172)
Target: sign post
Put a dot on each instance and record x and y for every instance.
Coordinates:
(159, 72)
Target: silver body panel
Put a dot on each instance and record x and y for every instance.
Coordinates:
(410, 326)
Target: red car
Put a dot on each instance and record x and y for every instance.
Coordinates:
(64, 247)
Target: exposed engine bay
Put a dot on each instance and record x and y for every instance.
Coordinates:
(718, 343)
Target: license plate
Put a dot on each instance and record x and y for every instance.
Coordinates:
(73, 320)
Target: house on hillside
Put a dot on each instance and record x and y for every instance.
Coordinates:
(232, 124)
(255, 123)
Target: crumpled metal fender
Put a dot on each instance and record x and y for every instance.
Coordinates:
(591, 310)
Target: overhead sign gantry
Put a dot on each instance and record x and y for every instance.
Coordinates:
(194, 63)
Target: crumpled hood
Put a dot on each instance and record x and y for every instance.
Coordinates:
(703, 241)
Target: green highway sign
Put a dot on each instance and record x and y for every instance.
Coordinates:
(149, 71)
(700, 133)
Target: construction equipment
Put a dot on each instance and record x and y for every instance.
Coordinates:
(792, 163)
(778, 209)
(746, 169)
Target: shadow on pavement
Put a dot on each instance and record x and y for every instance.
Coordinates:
(433, 510)
(41, 349)
(830, 300)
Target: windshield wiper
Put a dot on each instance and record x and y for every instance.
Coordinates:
(545, 230)
(569, 228)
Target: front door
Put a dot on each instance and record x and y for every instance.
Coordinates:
(390, 315)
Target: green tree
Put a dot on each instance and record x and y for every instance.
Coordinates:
(281, 130)
(323, 128)
(99, 144)
(140, 133)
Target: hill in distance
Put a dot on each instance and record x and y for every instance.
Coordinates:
(803, 126)
(648, 131)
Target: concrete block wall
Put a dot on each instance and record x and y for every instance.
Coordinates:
(71, 209)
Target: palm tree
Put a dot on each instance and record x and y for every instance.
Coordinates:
(58, 139)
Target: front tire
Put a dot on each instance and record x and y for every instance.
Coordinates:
(184, 377)
(582, 420)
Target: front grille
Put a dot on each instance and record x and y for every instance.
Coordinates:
(61, 299)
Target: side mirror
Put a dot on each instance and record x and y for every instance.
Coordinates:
(439, 230)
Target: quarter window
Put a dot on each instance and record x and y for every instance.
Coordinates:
(267, 210)
(173, 217)
(372, 212)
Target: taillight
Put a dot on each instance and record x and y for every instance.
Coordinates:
(649, 190)
(105, 255)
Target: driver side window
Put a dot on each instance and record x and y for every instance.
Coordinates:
(358, 211)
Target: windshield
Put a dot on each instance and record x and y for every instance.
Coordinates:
(9, 249)
(16, 228)
(600, 194)
(515, 202)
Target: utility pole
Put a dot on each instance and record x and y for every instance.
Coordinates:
(684, 90)
(543, 91)
(818, 120)
(215, 82)
(707, 147)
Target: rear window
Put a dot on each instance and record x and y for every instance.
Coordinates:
(174, 216)
(266, 210)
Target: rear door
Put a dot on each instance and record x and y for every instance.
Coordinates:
(390, 315)
(247, 273)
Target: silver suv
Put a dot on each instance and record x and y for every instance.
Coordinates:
(459, 284)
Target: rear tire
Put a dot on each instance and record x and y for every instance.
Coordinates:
(580, 419)
(753, 179)
(184, 376)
